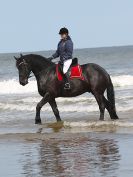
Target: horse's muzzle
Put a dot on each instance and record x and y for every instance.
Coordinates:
(23, 83)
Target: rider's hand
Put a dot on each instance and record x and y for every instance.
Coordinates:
(50, 58)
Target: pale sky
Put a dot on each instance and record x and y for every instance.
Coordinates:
(33, 25)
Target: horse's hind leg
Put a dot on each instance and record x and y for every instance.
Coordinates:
(55, 109)
(101, 103)
(43, 101)
(111, 110)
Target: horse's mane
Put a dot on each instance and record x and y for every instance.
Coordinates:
(39, 59)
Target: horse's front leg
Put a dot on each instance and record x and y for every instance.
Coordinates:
(54, 107)
(43, 101)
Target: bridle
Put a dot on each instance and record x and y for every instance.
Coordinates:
(25, 65)
(23, 62)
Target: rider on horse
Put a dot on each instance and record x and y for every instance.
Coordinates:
(64, 51)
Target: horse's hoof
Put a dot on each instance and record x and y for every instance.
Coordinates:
(38, 122)
(59, 120)
(115, 118)
(101, 119)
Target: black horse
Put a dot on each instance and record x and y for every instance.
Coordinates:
(97, 80)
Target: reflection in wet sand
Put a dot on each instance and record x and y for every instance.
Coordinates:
(108, 155)
(82, 156)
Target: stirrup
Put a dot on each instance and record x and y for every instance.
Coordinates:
(67, 86)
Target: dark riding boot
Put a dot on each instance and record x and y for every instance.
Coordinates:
(67, 81)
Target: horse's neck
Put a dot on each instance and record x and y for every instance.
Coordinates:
(38, 66)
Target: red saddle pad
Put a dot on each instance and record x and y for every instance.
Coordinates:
(76, 72)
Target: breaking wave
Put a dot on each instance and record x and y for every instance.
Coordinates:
(78, 107)
(122, 80)
(13, 87)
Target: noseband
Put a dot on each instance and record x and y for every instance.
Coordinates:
(24, 63)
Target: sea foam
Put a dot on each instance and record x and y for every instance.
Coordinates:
(13, 87)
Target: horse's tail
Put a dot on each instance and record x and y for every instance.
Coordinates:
(111, 94)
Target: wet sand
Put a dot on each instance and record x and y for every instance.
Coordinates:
(84, 148)
(66, 154)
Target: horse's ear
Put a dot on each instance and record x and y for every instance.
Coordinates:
(15, 58)
(21, 55)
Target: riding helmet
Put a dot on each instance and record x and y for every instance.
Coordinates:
(63, 31)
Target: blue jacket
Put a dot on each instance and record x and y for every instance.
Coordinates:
(64, 50)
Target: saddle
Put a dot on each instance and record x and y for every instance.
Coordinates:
(75, 70)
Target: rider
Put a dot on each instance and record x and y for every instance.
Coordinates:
(64, 51)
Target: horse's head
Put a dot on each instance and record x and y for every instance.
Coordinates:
(23, 68)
